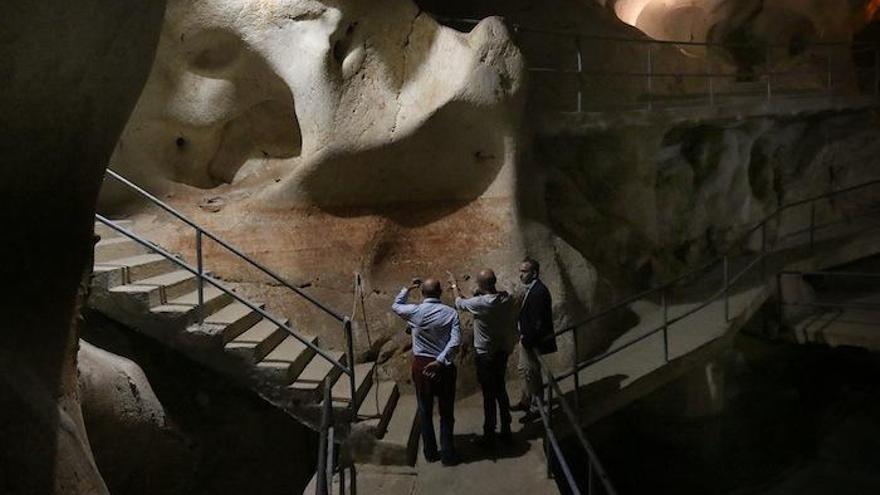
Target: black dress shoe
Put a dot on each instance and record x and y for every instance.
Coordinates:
(505, 436)
(432, 457)
(450, 460)
(486, 441)
(521, 406)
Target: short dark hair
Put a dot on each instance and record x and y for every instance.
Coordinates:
(533, 263)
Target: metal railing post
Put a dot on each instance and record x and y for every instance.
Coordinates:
(353, 469)
(812, 224)
(780, 309)
(650, 76)
(349, 352)
(710, 76)
(769, 56)
(546, 406)
(876, 70)
(580, 69)
(321, 481)
(589, 477)
(726, 288)
(830, 88)
(764, 252)
(577, 381)
(200, 266)
(665, 299)
(578, 431)
(551, 446)
(331, 456)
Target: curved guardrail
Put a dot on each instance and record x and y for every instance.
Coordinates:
(552, 381)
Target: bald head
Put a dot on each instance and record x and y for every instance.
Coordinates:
(486, 281)
(431, 288)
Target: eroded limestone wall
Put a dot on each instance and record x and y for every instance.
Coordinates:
(327, 138)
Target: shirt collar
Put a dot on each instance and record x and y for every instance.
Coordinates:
(431, 300)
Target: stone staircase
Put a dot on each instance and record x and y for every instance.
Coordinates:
(151, 294)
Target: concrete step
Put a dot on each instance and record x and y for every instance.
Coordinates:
(310, 382)
(289, 359)
(106, 232)
(107, 276)
(158, 290)
(131, 269)
(378, 405)
(401, 439)
(341, 392)
(214, 299)
(234, 319)
(257, 341)
(117, 247)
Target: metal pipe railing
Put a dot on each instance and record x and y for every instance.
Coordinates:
(729, 280)
(556, 449)
(553, 385)
(718, 260)
(195, 271)
(623, 39)
(773, 85)
(201, 233)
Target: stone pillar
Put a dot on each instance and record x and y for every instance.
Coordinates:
(71, 73)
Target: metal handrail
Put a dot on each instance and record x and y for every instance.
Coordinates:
(218, 285)
(554, 443)
(200, 272)
(595, 465)
(624, 39)
(769, 76)
(180, 216)
(665, 289)
(670, 283)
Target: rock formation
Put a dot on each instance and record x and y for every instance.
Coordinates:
(71, 73)
(136, 446)
(334, 137)
(347, 136)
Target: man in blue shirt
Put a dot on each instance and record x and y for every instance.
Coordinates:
(436, 334)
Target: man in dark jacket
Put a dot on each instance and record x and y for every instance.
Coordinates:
(535, 325)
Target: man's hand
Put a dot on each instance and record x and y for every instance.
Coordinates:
(453, 284)
(415, 283)
(432, 369)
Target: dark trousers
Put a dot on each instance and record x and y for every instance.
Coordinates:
(491, 370)
(442, 386)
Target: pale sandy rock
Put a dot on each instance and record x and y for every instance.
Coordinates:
(339, 137)
(136, 446)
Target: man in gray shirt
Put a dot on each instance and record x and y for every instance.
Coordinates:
(494, 339)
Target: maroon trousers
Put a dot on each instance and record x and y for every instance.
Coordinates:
(442, 386)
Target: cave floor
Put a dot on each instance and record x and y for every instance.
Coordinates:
(515, 468)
